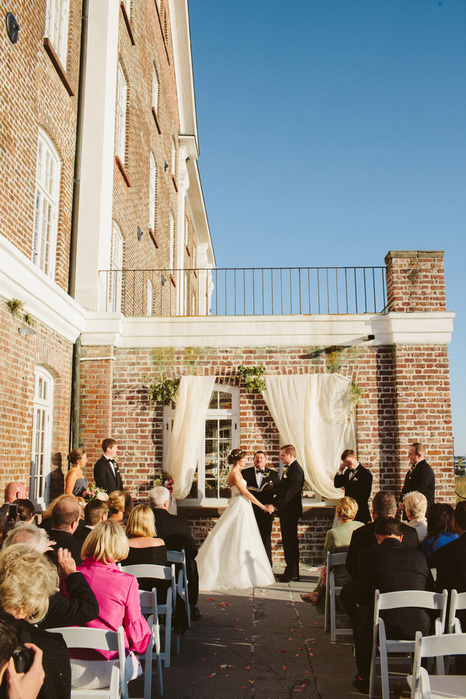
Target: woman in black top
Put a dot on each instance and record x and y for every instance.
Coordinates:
(145, 547)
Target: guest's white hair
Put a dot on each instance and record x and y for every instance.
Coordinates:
(158, 496)
(26, 533)
(416, 503)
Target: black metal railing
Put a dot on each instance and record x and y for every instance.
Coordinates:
(246, 291)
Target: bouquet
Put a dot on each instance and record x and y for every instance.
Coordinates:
(166, 481)
(95, 493)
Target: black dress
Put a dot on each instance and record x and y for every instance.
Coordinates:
(152, 555)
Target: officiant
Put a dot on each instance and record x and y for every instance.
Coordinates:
(261, 481)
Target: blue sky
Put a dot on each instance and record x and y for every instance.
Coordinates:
(333, 131)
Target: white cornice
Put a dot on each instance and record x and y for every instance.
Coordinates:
(269, 331)
(42, 298)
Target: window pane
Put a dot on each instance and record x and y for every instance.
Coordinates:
(225, 401)
(211, 429)
(213, 405)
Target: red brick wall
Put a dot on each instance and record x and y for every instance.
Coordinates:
(387, 417)
(32, 94)
(18, 358)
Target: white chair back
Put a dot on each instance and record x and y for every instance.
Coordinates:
(425, 686)
(457, 601)
(179, 557)
(331, 593)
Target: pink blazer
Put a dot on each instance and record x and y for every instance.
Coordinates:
(118, 596)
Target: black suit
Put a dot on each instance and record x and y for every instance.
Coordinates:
(104, 476)
(451, 575)
(174, 530)
(65, 540)
(265, 496)
(422, 479)
(79, 607)
(358, 487)
(287, 500)
(389, 567)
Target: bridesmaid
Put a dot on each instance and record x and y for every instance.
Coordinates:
(75, 483)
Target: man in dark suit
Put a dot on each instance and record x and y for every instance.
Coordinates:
(451, 570)
(65, 518)
(106, 471)
(383, 506)
(95, 511)
(420, 476)
(287, 501)
(390, 566)
(174, 530)
(261, 481)
(357, 483)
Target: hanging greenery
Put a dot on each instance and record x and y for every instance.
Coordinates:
(356, 395)
(252, 377)
(14, 305)
(166, 390)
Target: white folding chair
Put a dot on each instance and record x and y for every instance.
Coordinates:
(182, 583)
(99, 639)
(160, 573)
(427, 686)
(149, 607)
(457, 601)
(420, 599)
(331, 593)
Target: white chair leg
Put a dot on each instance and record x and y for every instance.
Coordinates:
(373, 664)
(384, 674)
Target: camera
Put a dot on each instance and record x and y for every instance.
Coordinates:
(22, 658)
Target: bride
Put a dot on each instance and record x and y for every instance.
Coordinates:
(233, 556)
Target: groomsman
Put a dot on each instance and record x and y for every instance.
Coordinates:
(106, 471)
(357, 483)
(287, 501)
(261, 481)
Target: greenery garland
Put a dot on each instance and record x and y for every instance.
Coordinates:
(252, 377)
(166, 390)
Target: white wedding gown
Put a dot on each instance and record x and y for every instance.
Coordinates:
(233, 556)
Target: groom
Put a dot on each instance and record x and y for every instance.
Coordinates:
(287, 501)
(261, 481)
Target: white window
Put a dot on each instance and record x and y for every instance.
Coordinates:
(220, 437)
(46, 205)
(155, 89)
(56, 27)
(173, 158)
(152, 191)
(172, 241)
(116, 275)
(186, 232)
(120, 128)
(41, 434)
(149, 298)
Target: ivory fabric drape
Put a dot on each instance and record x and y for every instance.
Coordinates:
(188, 431)
(311, 412)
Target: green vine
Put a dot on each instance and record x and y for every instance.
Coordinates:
(356, 395)
(166, 390)
(252, 377)
(14, 305)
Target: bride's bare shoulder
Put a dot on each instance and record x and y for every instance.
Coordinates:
(233, 478)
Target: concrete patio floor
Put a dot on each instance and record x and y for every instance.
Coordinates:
(262, 643)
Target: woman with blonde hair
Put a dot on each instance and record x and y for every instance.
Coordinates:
(120, 505)
(144, 546)
(337, 539)
(118, 596)
(75, 483)
(27, 579)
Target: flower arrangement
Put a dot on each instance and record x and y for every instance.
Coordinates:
(95, 493)
(165, 480)
(166, 390)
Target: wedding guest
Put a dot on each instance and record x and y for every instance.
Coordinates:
(145, 547)
(356, 482)
(46, 522)
(261, 481)
(27, 580)
(95, 511)
(75, 483)
(106, 471)
(26, 510)
(415, 506)
(65, 518)
(18, 685)
(119, 505)
(174, 530)
(337, 539)
(440, 530)
(287, 501)
(13, 491)
(105, 546)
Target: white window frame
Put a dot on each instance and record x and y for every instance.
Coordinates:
(116, 275)
(186, 231)
(152, 191)
(172, 242)
(232, 414)
(173, 170)
(42, 424)
(57, 27)
(120, 117)
(155, 89)
(149, 298)
(127, 4)
(46, 205)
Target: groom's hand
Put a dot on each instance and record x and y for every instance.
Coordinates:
(270, 509)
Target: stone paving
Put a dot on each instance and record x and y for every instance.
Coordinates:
(262, 643)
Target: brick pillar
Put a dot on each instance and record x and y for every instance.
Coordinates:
(416, 282)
